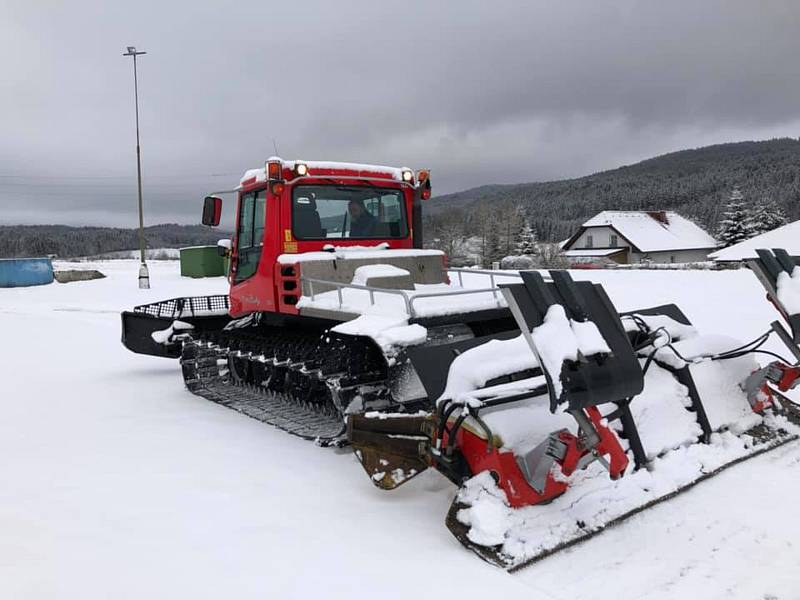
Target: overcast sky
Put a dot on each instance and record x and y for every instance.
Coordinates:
(479, 92)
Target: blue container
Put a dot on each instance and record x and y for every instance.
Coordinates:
(20, 272)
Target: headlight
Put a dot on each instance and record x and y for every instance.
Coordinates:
(301, 169)
(408, 175)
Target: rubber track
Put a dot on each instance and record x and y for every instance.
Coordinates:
(205, 377)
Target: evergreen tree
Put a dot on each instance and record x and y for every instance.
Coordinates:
(526, 240)
(735, 225)
(514, 217)
(766, 216)
(492, 248)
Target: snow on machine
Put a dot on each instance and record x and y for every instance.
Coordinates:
(629, 409)
(328, 284)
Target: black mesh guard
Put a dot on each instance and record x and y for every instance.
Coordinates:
(192, 306)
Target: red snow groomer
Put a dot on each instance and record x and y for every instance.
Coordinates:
(316, 245)
(641, 395)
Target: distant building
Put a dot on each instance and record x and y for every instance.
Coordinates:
(786, 237)
(626, 237)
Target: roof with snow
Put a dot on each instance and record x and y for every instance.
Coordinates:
(654, 231)
(786, 237)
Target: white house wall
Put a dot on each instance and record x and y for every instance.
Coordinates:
(601, 238)
(671, 256)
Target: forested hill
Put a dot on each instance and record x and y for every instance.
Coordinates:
(66, 242)
(696, 183)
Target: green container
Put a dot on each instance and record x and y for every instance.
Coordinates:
(201, 261)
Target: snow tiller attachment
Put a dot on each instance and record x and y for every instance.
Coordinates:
(629, 409)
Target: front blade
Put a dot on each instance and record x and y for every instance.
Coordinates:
(391, 448)
(510, 538)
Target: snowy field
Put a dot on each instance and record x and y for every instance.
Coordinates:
(118, 483)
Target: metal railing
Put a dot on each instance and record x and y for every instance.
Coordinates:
(409, 297)
(490, 274)
(354, 286)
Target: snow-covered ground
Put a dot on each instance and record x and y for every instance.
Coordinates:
(118, 483)
(150, 254)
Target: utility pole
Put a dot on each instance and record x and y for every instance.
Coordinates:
(144, 275)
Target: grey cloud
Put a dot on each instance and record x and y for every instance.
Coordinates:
(479, 92)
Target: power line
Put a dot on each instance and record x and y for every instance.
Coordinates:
(186, 176)
(97, 185)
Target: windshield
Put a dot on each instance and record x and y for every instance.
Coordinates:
(333, 211)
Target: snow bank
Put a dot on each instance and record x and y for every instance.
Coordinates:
(150, 254)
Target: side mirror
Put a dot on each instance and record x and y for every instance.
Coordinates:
(223, 247)
(424, 184)
(426, 190)
(212, 210)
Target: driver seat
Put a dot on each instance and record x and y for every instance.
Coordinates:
(307, 223)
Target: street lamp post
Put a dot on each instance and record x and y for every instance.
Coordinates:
(144, 275)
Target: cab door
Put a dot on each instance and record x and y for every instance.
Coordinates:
(250, 292)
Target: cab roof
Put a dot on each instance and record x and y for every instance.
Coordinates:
(325, 169)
